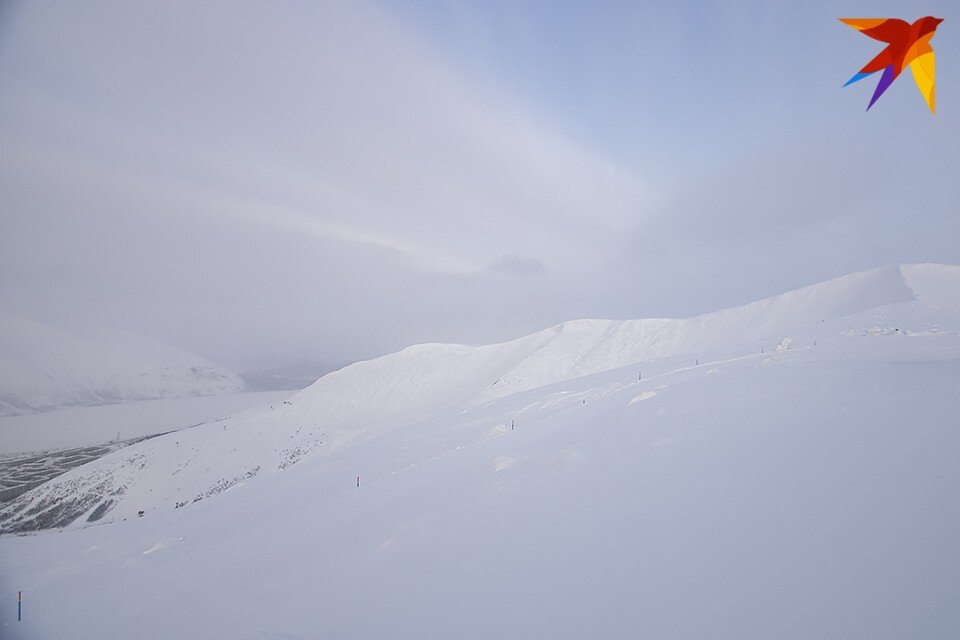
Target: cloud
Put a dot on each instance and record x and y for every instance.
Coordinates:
(320, 180)
(518, 266)
(341, 115)
(794, 214)
(234, 177)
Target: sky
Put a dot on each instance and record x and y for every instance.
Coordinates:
(263, 182)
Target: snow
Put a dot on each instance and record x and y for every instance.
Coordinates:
(43, 368)
(89, 426)
(808, 492)
(646, 395)
(935, 284)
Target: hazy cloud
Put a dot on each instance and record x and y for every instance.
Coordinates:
(334, 180)
(517, 265)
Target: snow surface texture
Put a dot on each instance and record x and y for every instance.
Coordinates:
(42, 368)
(591, 480)
(20, 472)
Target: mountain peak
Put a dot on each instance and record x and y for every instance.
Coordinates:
(44, 368)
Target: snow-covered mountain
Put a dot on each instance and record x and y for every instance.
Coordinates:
(371, 398)
(782, 469)
(44, 368)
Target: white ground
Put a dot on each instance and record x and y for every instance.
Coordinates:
(88, 426)
(804, 492)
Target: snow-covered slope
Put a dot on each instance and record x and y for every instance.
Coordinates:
(371, 398)
(90, 426)
(43, 368)
(784, 469)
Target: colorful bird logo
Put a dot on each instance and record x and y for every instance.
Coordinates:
(907, 44)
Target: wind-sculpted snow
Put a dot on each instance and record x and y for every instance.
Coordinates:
(42, 368)
(934, 284)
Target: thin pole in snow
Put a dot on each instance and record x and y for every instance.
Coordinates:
(511, 425)
(639, 375)
(358, 481)
(19, 604)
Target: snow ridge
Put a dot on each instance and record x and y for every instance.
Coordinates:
(442, 382)
(583, 347)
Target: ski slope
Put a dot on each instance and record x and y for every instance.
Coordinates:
(543, 488)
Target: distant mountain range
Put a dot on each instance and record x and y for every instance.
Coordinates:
(44, 368)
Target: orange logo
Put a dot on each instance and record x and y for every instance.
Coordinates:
(907, 44)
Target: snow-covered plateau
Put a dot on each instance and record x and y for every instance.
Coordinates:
(785, 469)
(43, 368)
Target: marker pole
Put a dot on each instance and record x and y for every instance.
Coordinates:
(358, 481)
(19, 604)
